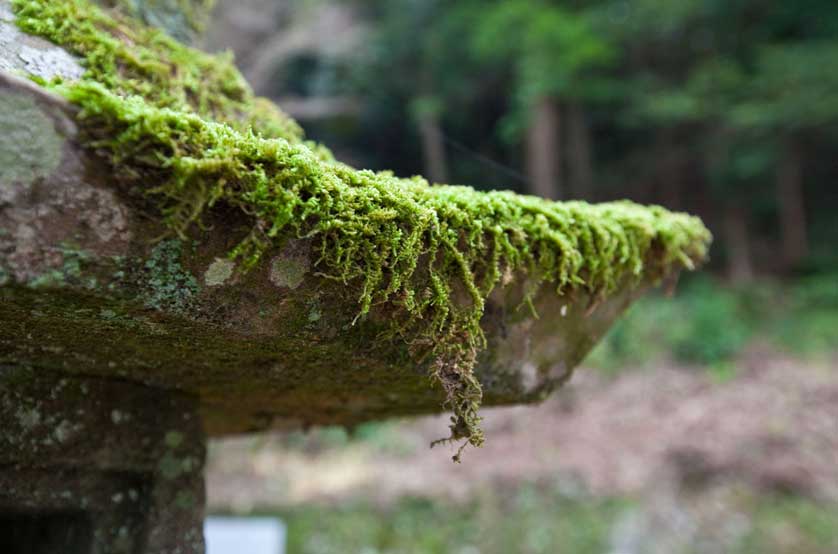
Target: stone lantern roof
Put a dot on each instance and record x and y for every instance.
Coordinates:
(177, 260)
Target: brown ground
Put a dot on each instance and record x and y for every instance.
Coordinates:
(773, 426)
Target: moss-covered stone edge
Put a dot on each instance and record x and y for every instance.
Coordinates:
(129, 58)
(431, 253)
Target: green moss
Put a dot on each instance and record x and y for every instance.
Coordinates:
(173, 439)
(170, 467)
(132, 59)
(185, 500)
(431, 255)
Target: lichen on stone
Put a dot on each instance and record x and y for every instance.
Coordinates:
(289, 268)
(70, 271)
(218, 272)
(430, 255)
(165, 282)
(29, 145)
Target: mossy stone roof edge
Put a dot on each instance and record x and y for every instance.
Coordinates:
(432, 252)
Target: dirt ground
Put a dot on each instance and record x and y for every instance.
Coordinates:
(773, 425)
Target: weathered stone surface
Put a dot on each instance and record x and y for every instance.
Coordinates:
(88, 291)
(117, 466)
(28, 55)
(182, 19)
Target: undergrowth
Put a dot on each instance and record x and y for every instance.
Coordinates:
(529, 518)
(710, 323)
(433, 254)
(543, 518)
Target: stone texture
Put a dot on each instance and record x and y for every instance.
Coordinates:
(119, 464)
(182, 19)
(28, 55)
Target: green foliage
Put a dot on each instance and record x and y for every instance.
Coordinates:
(550, 50)
(787, 524)
(543, 519)
(810, 325)
(710, 90)
(705, 323)
(649, 20)
(747, 88)
(532, 520)
(790, 88)
(553, 49)
(715, 328)
(784, 89)
(711, 323)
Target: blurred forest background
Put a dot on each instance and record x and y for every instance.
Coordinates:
(729, 391)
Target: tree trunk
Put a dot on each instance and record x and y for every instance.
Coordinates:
(579, 154)
(739, 266)
(794, 244)
(433, 147)
(544, 149)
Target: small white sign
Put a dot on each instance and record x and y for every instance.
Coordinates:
(244, 535)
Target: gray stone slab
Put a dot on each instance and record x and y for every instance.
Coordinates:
(32, 56)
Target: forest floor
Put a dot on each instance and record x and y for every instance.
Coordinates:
(773, 424)
(684, 443)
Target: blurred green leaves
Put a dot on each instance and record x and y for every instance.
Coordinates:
(709, 323)
(794, 86)
(541, 518)
(528, 519)
(554, 51)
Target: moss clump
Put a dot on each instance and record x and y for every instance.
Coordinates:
(430, 254)
(132, 59)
